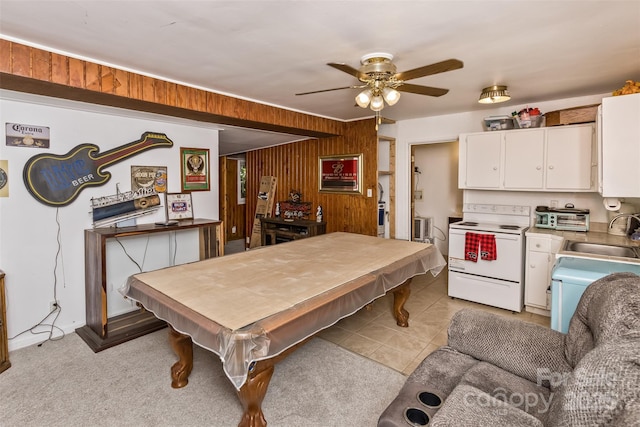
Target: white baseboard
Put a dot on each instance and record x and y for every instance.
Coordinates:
(28, 339)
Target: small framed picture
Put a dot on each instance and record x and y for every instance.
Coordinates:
(179, 206)
(194, 169)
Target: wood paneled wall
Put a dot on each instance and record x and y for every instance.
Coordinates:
(231, 212)
(296, 167)
(28, 69)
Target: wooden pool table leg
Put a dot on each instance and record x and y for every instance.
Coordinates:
(400, 296)
(254, 389)
(252, 393)
(183, 347)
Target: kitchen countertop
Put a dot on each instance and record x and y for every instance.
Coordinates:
(597, 234)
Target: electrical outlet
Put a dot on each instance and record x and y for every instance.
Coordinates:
(53, 305)
(553, 204)
(234, 230)
(417, 194)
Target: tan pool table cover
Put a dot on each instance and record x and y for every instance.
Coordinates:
(256, 304)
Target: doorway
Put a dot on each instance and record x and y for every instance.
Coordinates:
(232, 199)
(434, 188)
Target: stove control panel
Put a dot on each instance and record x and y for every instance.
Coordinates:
(497, 209)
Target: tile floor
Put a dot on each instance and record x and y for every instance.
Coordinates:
(373, 332)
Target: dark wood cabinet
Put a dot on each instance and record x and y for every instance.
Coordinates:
(278, 230)
(4, 345)
(101, 332)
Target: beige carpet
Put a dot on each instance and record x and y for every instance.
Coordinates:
(64, 383)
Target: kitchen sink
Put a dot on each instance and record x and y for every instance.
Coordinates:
(601, 249)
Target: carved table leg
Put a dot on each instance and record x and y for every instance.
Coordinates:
(183, 347)
(254, 389)
(400, 296)
(252, 393)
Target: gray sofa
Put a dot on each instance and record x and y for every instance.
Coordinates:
(499, 371)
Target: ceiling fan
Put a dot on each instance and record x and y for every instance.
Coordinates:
(382, 83)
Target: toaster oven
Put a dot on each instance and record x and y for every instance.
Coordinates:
(568, 219)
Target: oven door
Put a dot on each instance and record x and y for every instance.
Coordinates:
(506, 266)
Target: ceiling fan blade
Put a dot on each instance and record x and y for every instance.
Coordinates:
(427, 70)
(422, 90)
(349, 70)
(328, 90)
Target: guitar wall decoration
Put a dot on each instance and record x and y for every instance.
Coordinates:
(56, 180)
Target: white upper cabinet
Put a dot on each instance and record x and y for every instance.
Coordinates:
(480, 160)
(542, 159)
(619, 146)
(571, 157)
(524, 159)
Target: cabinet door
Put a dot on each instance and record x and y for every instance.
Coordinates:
(569, 157)
(524, 158)
(537, 279)
(482, 156)
(619, 146)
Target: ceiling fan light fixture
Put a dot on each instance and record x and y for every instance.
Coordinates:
(494, 94)
(377, 103)
(391, 96)
(364, 98)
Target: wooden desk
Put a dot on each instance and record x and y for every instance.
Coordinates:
(274, 229)
(255, 307)
(101, 332)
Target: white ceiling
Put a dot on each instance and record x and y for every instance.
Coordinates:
(267, 51)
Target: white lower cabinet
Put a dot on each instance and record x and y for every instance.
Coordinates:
(541, 252)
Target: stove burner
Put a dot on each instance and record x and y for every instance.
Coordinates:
(510, 227)
(469, 223)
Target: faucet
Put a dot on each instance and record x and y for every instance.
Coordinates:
(635, 215)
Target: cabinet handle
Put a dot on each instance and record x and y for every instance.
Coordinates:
(532, 266)
(538, 245)
(495, 168)
(550, 166)
(538, 168)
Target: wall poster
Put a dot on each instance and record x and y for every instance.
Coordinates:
(194, 169)
(4, 178)
(20, 135)
(149, 177)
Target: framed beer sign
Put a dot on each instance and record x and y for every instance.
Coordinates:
(194, 169)
(341, 174)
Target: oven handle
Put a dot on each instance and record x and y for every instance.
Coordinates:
(498, 235)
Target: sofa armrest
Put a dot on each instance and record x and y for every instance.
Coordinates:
(525, 349)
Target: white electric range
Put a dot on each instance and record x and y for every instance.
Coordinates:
(496, 282)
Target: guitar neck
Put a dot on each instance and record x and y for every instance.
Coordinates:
(148, 140)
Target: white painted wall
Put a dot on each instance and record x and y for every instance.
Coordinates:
(29, 229)
(438, 180)
(437, 129)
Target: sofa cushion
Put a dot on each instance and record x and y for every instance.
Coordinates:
(604, 388)
(520, 393)
(608, 308)
(469, 406)
(519, 347)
